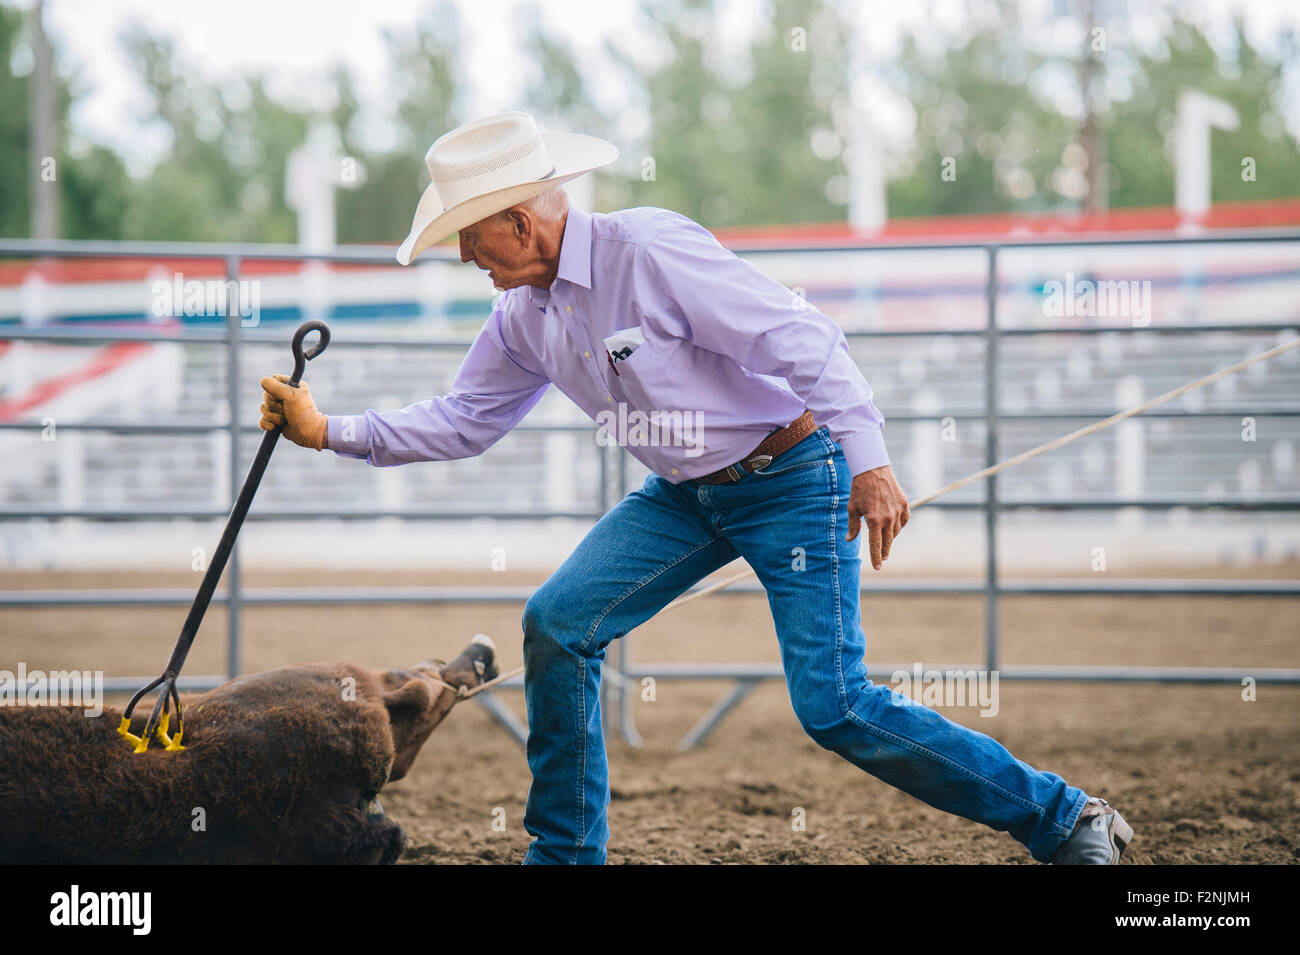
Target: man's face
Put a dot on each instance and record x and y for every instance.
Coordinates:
(504, 246)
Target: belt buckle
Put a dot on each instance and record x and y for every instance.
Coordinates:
(751, 464)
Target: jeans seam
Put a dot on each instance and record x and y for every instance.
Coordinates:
(837, 596)
(1041, 811)
(580, 801)
(639, 585)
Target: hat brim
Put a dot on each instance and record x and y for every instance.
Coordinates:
(573, 154)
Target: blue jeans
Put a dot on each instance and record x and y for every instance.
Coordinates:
(658, 542)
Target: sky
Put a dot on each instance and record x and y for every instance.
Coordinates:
(296, 41)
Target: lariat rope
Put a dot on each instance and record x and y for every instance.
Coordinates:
(1035, 452)
(1096, 426)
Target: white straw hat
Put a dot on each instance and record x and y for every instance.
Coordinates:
(488, 166)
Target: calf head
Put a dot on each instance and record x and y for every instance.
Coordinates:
(420, 698)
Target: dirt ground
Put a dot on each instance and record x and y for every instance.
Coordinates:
(1203, 776)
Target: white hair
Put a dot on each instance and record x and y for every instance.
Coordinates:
(549, 206)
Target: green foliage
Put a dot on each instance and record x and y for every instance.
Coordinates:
(975, 111)
(1251, 82)
(97, 194)
(797, 69)
(730, 151)
(976, 102)
(729, 135)
(14, 173)
(425, 65)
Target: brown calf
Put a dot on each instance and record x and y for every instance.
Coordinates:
(284, 766)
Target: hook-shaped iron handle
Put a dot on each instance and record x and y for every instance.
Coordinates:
(300, 357)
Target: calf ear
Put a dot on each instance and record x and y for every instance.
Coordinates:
(408, 700)
(412, 716)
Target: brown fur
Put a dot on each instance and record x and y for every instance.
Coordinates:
(282, 765)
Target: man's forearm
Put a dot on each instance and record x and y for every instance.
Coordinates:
(446, 428)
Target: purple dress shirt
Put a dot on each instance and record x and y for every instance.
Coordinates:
(723, 356)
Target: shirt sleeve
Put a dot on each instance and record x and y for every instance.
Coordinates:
(722, 303)
(490, 394)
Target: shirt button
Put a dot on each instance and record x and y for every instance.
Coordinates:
(586, 354)
(611, 399)
(568, 308)
(675, 470)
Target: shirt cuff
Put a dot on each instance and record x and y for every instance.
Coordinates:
(348, 435)
(863, 451)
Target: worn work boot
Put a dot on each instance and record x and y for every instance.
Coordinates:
(1100, 836)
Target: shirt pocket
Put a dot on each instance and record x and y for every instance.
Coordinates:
(646, 376)
(624, 343)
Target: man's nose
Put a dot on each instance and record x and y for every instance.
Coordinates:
(465, 254)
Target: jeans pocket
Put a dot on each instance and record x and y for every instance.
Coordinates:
(810, 452)
(771, 473)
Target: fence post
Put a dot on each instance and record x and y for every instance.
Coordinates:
(990, 459)
(233, 322)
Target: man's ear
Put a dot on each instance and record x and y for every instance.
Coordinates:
(521, 224)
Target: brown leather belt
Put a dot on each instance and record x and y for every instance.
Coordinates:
(774, 445)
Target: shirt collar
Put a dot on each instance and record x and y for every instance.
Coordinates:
(575, 256)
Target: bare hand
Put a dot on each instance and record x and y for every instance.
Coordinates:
(877, 498)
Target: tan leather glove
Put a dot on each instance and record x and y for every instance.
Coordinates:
(292, 407)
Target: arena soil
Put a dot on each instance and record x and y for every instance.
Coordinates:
(1203, 776)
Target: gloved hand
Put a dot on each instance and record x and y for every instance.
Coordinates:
(292, 407)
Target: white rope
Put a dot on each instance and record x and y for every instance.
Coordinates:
(464, 694)
(1035, 452)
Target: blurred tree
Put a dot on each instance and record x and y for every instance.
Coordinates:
(222, 176)
(14, 208)
(96, 190)
(791, 152)
(691, 145)
(561, 99)
(424, 71)
(752, 149)
(734, 134)
(98, 194)
(976, 103)
(1141, 138)
(984, 141)
(559, 89)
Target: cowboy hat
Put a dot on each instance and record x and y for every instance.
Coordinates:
(491, 164)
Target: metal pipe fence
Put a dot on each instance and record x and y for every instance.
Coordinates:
(620, 688)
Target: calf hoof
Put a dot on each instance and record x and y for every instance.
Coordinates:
(380, 841)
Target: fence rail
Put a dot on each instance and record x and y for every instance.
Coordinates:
(233, 337)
